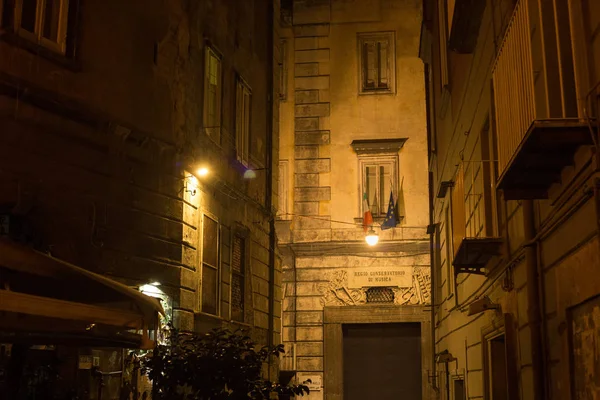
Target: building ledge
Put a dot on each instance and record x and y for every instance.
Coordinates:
(537, 164)
(473, 254)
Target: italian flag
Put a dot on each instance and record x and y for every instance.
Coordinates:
(367, 217)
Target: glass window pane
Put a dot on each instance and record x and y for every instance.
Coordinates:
(371, 187)
(370, 66)
(209, 289)
(383, 65)
(51, 19)
(385, 185)
(210, 242)
(28, 13)
(237, 297)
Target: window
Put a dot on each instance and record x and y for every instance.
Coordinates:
(282, 209)
(443, 41)
(283, 71)
(380, 295)
(459, 389)
(43, 22)
(378, 181)
(210, 265)
(238, 278)
(243, 100)
(212, 95)
(377, 62)
(378, 168)
(496, 369)
(451, 277)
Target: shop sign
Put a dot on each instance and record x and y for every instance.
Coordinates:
(380, 276)
(315, 383)
(86, 362)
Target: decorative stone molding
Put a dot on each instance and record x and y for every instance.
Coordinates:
(337, 293)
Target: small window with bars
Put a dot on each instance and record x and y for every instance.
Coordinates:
(238, 281)
(377, 62)
(380, 295)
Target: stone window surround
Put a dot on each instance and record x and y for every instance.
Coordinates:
(335, 317)
(390, 37)
(374, 151)
(58, 46)
(66, 59)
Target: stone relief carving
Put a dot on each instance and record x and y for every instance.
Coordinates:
(337, 293)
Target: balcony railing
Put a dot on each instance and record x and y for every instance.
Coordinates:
(513, 86)
(536, 113)
(473, 231)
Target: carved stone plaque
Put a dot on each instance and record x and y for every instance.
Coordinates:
(380, 276)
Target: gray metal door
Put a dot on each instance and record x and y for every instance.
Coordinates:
(382, 361)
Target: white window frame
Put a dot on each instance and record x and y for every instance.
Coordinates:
(60, 45)
(243, 120)
(365, 160)
(213, 128)
(388, 37)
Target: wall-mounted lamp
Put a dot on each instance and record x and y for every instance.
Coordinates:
(481, 305)
(191, 181)
(372, 238)
(251, 173)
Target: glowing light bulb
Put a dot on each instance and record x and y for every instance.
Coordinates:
(202, 171)
(372, 238)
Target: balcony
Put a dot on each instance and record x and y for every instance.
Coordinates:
(538, 125)
(465, 24)
(473, 216)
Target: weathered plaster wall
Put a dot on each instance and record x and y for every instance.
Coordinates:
(94, 150)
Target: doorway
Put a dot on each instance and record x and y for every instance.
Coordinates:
(497, 368)
(382, 361)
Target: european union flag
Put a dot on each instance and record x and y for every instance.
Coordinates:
(391, 220)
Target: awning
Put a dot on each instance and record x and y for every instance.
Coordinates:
(36, 288)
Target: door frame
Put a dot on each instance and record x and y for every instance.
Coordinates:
(335, 317)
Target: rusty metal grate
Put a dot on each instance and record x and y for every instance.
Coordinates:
(380, 295)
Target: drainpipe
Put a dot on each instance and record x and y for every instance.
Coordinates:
(533, 300)
(432, 229)
(269, 183)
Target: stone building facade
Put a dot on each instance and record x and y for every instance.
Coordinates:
(352, 122)
(512, 89)
(107, 111)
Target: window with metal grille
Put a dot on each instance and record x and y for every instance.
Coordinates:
(210, 266)
(238, 268)
(380, 295)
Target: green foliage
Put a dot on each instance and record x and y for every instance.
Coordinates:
(218, 365)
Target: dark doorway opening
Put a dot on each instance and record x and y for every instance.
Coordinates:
(382, 361)
(497, 368)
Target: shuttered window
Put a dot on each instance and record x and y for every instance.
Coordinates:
(238, 281)
(377, 62)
